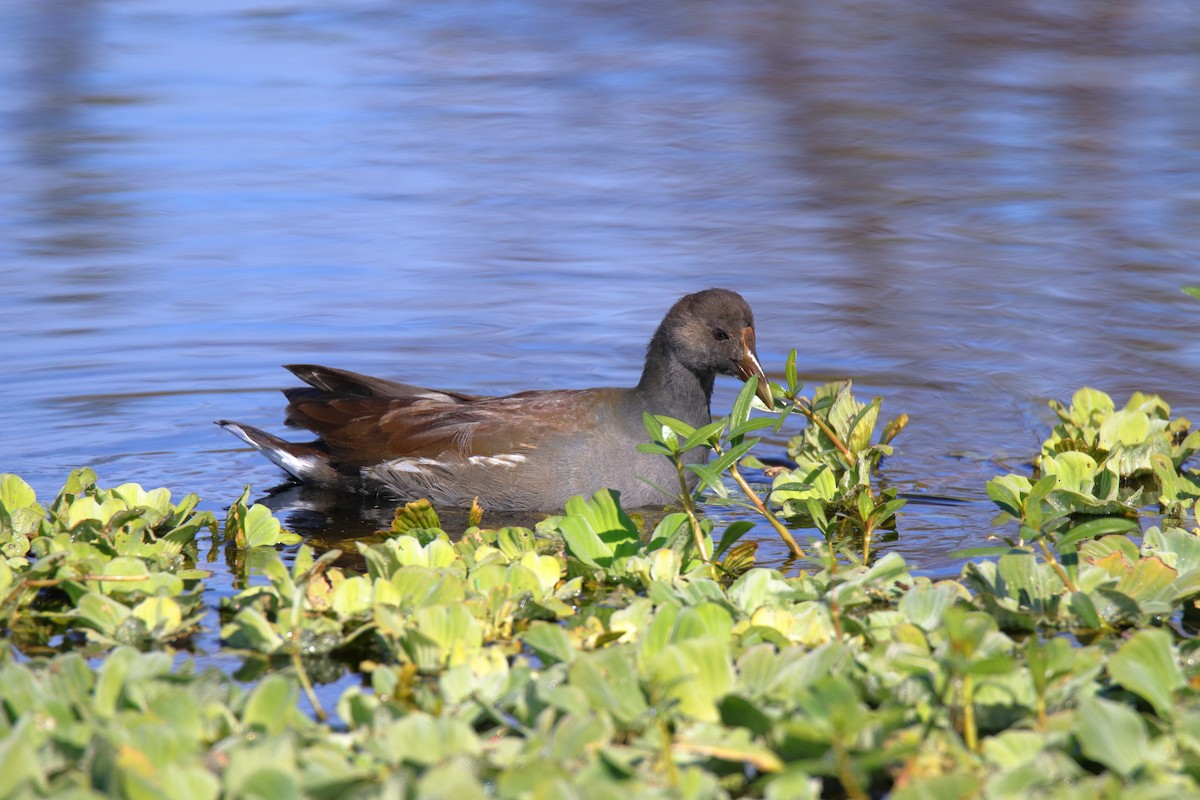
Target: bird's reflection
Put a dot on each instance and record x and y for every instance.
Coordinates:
(334, 519)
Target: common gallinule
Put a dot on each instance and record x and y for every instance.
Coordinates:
(526, 451)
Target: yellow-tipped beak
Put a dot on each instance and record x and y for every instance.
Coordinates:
(748, 365)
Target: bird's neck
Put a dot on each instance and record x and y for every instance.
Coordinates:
(670, 389)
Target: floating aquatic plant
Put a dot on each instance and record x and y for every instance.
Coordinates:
(1110, 461)
(835, 459)
(592, 658)
(114, 565)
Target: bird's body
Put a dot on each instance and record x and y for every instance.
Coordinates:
(526, 451)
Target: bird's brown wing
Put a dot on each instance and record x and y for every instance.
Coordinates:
(368, 430)
(344, 383)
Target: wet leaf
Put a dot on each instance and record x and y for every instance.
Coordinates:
(262, 529)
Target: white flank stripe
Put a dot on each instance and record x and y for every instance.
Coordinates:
(506, 460)
(420, 466)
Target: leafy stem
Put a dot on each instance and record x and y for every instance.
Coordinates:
(805, 407)
(689, 508)
(779, 527)
(845, 771)
(1056, 566)
(970, 727)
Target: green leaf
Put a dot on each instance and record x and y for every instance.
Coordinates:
(1007, 492)
(1113, 735)
(442, 636)
(597, 531)
(939, 787)
(925, 605)
(734, 532)
(549, 642)
(162, 615)
(250, 630)
(451, 781)
(749, 426)
(110, 681)
(967, 629)
(609, 682)
(710, 479)
(724, 744)
(352, 597)
(1093, 529)
(101, 613)
(866, 505)
(547, 569)
(157, 500)
(654, 428)
(741, 405)
(675, 426)
(20, 763)
(15, 493)
(1088, 403)
(832, 699)
(893, 429)
(696, 674)
(862, 426)
(740, 712)
(122, 567)
(262, 529)
(415, 516)
(1146, 666)
(703, 435)
(793, 784)
(739, 558)
(1041, 490)
(731, 456)
(1149, 583)
(761, 587)
(706, 620)
(270, 704)
(575, 735)
(1085, 611)
(417, 738)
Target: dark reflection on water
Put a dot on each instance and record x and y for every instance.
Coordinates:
(965, 208)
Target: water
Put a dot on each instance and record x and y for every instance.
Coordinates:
(967, 209)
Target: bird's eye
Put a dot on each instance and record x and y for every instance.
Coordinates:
(720, 335)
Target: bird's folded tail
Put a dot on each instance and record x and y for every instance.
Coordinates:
(306, 462)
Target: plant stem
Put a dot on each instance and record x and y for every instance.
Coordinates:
(46, 582)
(1053, 562)
(807, 411)
(846, 772)
(779, 527)
(664, 732)
(689, 507)
(970, 733)
(306, 684)
(835, 614)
